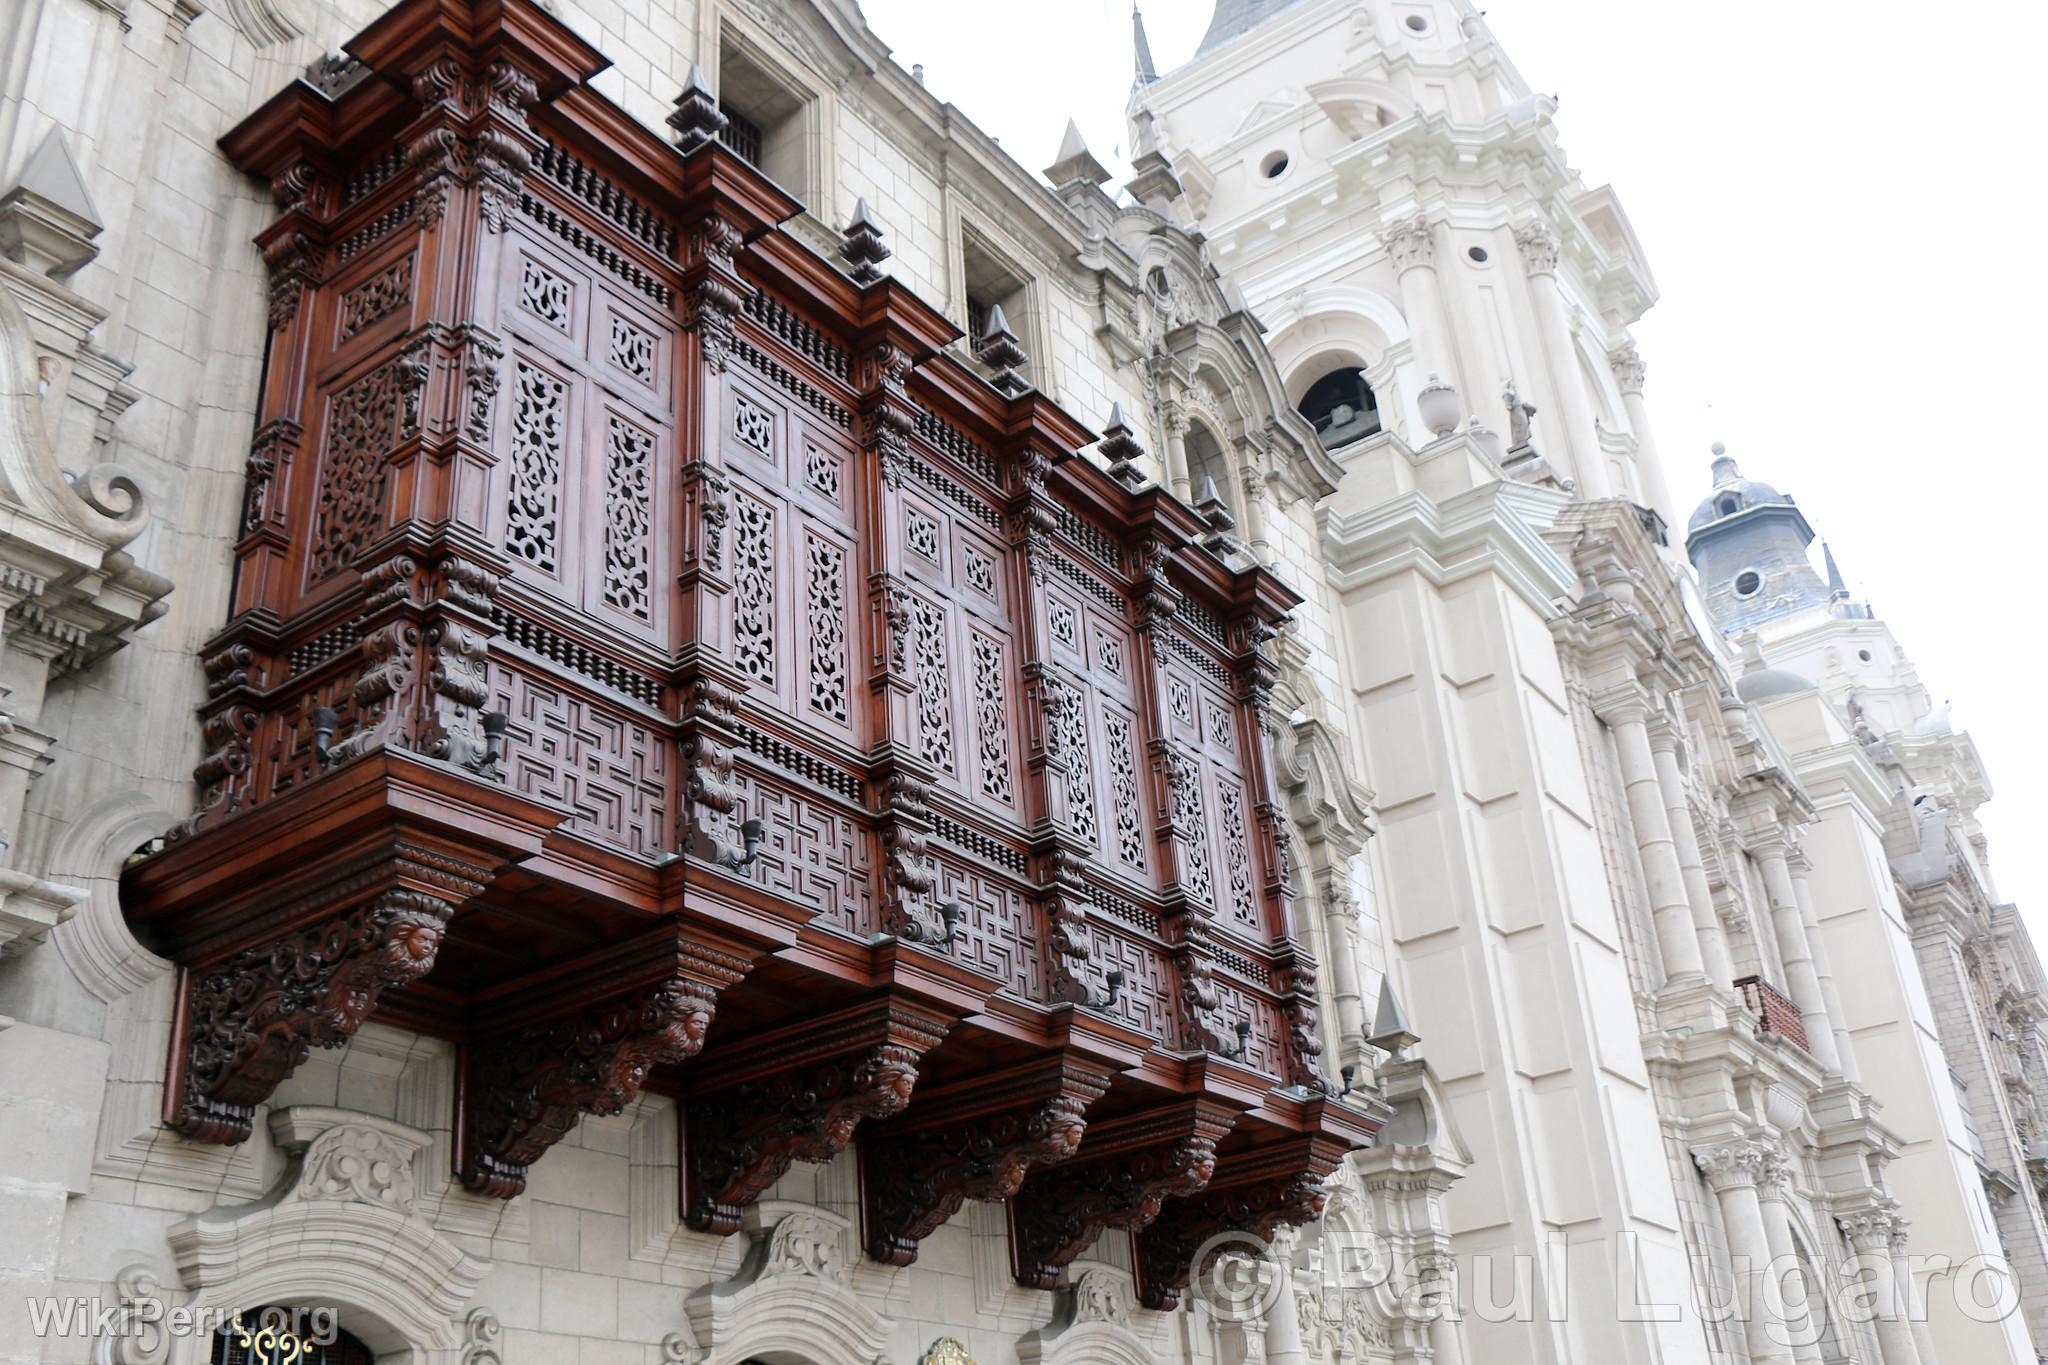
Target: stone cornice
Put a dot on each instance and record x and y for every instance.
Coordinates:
(1843, 775)
(1493, 528)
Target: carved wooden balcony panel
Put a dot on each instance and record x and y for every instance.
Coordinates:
(648, 641)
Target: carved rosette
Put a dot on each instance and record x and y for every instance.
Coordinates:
(794, 1095)
(526, 1091)
(713, 292)
(1254, 1194)
(252, 1019)
(1126, 1171)
(959, 1149)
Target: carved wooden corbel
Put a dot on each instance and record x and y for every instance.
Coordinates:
(1125, 1171)
(975, 1139)
(581, 1038)
(249, 1020)
(1253, 1193)
(794, 1094)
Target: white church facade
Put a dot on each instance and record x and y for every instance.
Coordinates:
(1651, 933)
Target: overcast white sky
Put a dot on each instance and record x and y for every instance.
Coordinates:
(1843, 205)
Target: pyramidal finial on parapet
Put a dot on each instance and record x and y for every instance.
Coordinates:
(1390, 1031)
(47, 217)
(1121, 448)
(1212, 507)
(1075, 163)
(997, 348)
(697, 118)
(861, 245)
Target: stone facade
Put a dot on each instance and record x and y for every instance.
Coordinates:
(1696, 928)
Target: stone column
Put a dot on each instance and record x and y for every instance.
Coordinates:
(1174, 417)
(1869, 1233)
(1574, 429)
(1772, 1189)
(1902, 1280)
(1255, 497)
(1340, 947)
(1283, 1323)
(1731, 1170)
(1412, 244)
(1706, 923)
(1845, 1051)
(1802, 982)
(1628, 370)
(1627, 713)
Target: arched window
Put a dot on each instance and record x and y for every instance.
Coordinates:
(1342, 407)
(287, 1336)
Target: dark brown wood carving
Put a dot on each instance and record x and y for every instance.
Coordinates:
(1126, 1170)
(580, 1038)
(1252, 1194)
(974, 1139)
(795, 1094)
(648, 638)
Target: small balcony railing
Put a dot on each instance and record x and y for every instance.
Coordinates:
(1774, 1012)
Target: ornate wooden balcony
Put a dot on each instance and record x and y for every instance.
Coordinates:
(654, 661)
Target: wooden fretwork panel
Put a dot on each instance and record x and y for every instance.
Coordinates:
(609, 768)
(584, 489)
(795, 563)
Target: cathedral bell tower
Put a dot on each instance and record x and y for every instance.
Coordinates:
(1747, 541)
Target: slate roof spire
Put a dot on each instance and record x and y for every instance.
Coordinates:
(1147, 72)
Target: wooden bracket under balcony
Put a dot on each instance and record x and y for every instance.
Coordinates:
(1253, 1192)
(581, 1037)
(291, 922)
(1125, 1171)
(795, 1093)
(973, 1139)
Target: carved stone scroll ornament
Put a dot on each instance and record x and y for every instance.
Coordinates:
(794, 1094)
(251, 1019)
(526, 1091)
(1254, 1194)
(1124, 1174)
(961, 1147)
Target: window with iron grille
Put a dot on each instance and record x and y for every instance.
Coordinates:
(742, 136)
(770, 118)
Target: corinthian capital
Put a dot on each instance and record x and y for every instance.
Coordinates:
(1538, 247)
(1628, 367)
(1730, 1165)
(1409, 242)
